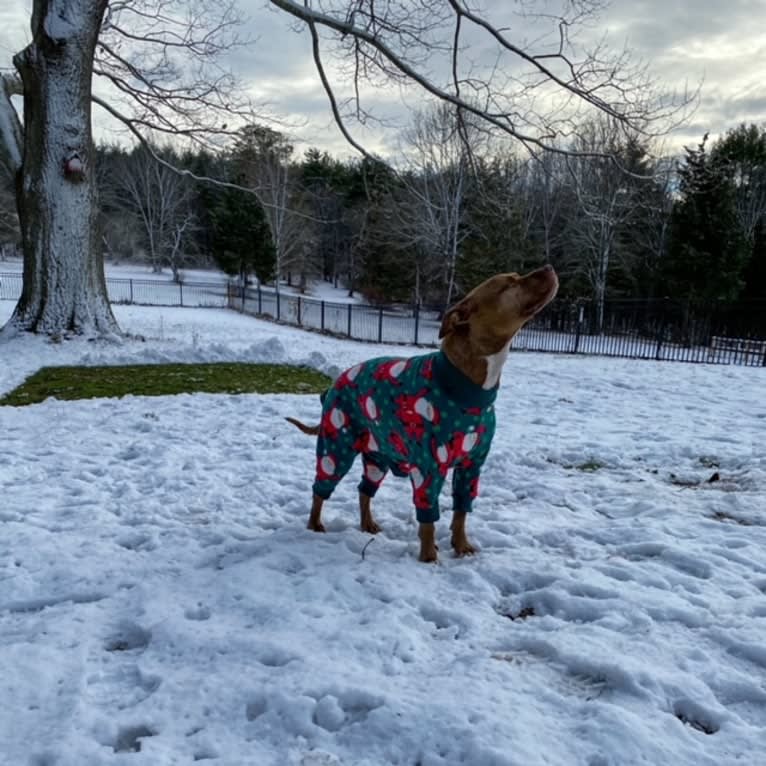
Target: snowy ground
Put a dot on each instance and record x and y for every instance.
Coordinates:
(162, 603)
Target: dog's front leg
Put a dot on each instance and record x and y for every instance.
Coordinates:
(459, 540)
(315, 519)
(428, 548)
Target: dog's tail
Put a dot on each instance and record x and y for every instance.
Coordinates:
(310, 430)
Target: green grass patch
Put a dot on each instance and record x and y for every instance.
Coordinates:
(164, 380)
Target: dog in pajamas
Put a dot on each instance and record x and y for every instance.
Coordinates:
(419, 417)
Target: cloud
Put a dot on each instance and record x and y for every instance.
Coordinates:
(719, 45)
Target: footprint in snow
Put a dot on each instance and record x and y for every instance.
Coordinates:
(128, 739)
(696, 716)
(199, 613)
(333, 712)
(128, 637)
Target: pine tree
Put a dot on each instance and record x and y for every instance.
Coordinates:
(707, 250)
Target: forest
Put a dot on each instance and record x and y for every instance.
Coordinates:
(616, 218)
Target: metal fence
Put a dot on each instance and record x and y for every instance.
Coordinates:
(660, 329)
(143, 292)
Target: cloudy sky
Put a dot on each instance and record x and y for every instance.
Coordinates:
(718, 46)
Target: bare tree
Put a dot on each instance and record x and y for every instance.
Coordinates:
(265, 155)
(158, 61)
(439, 178)
(547, 179)
(162, 202)
(606, 201)
(536, 88)
(158, 67)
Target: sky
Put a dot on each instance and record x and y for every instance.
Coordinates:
(162, 602)
(718, 47)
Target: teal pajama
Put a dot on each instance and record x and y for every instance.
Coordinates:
(415, 417)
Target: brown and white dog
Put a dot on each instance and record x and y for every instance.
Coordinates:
(476, 336)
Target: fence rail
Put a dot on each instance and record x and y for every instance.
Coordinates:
(661, 329)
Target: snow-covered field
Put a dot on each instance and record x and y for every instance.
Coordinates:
(161, 601)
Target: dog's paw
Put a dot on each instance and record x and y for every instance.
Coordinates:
(316, 526)
(463, 548)
(370, 526)
(429, 555)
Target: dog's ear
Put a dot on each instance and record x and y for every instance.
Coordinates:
(456, 317)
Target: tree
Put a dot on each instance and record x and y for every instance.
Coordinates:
(607, 193)
(742, 153)
(240, 237)
(161, 202)
(431, 216)
(334, 194)
(138, 49)
(503, 213)
(707, 249)
(9, 220)
(263, 156)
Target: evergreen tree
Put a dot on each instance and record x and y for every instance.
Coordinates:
(240, 239)
(742, 153)
(707, 250)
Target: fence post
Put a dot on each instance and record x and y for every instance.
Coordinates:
(321, 314)
(181, 291)
(131, 291)
(578, 330)
(299, 310)
(416, 312)
(278, 306)
(349, 320)
(260, 299)
(380, 324)
(244, 297)
(661, 333)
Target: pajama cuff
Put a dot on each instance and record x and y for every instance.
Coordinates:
(427, 515)
(324, 490)
(367, 487)
(462, 503)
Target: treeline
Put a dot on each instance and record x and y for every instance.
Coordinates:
(615, 222)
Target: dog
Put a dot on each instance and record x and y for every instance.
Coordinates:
(421, 416)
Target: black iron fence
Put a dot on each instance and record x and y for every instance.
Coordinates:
(659, 329)
(143, 292)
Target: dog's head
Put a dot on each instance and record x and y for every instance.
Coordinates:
(492, 313)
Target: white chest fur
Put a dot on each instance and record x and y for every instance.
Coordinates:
(495, 364)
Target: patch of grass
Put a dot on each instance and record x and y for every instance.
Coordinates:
(164, 380)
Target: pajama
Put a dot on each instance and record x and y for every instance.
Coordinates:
(415, 417)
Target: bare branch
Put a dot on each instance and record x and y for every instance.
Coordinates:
(161, 62)
(331, 95)
(130, 124)
(537, 96)
(11, 131)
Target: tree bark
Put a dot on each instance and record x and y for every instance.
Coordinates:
(64, 290)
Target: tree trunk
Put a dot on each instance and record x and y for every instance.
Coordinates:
(64, 290)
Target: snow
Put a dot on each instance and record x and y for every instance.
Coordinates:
(162, 601)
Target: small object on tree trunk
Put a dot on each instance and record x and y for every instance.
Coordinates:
(74, 169)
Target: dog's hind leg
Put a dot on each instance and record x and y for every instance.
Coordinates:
(315, 518)
(372, 478)
(367, 522)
